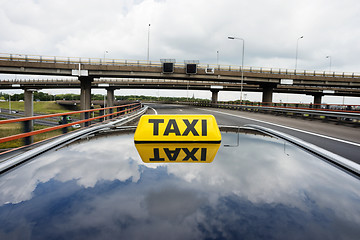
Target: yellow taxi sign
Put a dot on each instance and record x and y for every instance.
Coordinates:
(177, 152)
(177, 128)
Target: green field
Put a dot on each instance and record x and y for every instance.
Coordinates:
(49, 107)
(10, 129)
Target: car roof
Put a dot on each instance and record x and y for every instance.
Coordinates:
(258, 186)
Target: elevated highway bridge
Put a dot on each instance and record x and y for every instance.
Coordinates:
(113, 74)
(134, 83)
(138, 72)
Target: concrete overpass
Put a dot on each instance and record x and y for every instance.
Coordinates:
(121, 83)
(113, 74)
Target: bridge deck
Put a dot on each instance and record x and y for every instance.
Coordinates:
(138, 74)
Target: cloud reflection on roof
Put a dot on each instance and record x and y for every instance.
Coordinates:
(264, 188)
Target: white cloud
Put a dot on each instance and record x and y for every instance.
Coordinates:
(188, 30)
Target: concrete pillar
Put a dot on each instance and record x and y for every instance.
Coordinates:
(85, 96)
(317, 100)
(267, 94)
(29, 112)
(110, 99)
(214, 96)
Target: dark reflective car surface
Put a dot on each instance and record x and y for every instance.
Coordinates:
(261, 188)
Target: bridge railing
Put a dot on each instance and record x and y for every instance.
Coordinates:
(106, 61)
(76, 60)
(64, 122)
(112, 80)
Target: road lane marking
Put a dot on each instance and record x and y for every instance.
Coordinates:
(154, 110)
(290, 128)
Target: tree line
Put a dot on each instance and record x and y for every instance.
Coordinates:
(41, 96)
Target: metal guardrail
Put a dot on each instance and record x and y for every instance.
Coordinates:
(7, 164)
(105, 61)
(338, 115)
(120, 110)
(322, 106)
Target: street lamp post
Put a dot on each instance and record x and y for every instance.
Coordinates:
(104, 101)
(148, 46)
(242, 65)
(329, 57)
(105, 52)
(9, 104)
(297, 47)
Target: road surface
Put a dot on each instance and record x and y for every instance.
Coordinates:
(339, 139)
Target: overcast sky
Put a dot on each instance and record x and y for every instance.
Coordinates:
(188, 30)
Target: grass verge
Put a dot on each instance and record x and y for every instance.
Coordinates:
(48, 107)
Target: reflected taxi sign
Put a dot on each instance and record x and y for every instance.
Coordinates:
(177, 128)
(177, 138)
(177, 152)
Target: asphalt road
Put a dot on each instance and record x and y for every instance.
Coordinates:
(339, 139)
(38, 121)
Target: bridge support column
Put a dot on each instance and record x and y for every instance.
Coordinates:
(317, 100)
(85, 97)
(29, 112)
(214, 96)
(110, 99)
(267, 93)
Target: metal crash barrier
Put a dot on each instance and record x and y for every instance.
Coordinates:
(325, 112)
(65, 122)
